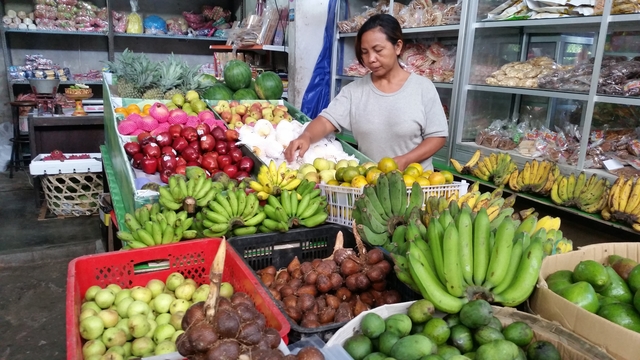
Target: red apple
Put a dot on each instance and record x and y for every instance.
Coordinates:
(209, 162)
(236, 155)
(165, 175)
(241, 175)
(137, 158)
(232, 145)
(196, 145)
(226, 116)
(231, 135)
(189, 134)
(168, 150)
(151, 150)
(245, 164)
(181, 161)
(223, 161)
(144, 138)
(207, 143)
(193, 163)
(175, 130)
(179, 144)
(149, 165)
(231, 170)
(190, 154)
(132, 148)
(218, 134)
(169, 162)
(181, 169)
(203, 129)
(222, 148)
(164, 139)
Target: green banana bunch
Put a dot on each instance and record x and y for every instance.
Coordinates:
(301, 207)
(236, 213)
(188, 194)
(149, 227)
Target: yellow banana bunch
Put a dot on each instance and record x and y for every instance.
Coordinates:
(496, 168)
(468, 167)
(587, 195)
(536, 177)
(624, 202)
(556, 243)
(272, 180)
(548, 223)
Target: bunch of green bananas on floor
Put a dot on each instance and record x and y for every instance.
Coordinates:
(462, 258)
(536, 177)
(624, 202)
(272, 180)
(182, 194)
(301, 207)
(383, 206)
(468, 167)
(587, 195)
(496, 168)
(497, 207)
(148, 227)
(236, 213)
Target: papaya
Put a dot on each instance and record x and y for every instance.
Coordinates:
(581, 294)
(617, 288)
(559, 280)
(624, 315)
(592, 272)
(622, 266)
(498, 350)
(634, 279)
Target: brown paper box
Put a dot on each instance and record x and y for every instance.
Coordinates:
(621, 343)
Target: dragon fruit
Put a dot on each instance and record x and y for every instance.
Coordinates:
(202, 115)
(162, 127)
(127, 127)
(192, 121)
(135, 118)
(147, 123)
(137, 132)
(177, 116)
(159, 112)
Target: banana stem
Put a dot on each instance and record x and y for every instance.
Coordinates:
(479, 292)
(189, 205)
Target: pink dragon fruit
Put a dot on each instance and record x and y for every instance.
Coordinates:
(177, 116)
(159, 112)
(137, 132)
(148, 123)
(162, 127)
(192, 121)
(202, 115)
(135, 118)
(127, 127)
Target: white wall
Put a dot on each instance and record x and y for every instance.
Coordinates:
(305, 43)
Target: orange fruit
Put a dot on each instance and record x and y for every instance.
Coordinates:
(448, 176)
(408, 180)
(412, 171)
(423, 181)
(133, 109)
(437, 179)
(333, 183)
(349, 173)
(418, 166)
(121, 110)
(146, 108)
(372, 175)
(358, 181)
(387, 165)
(345, 184)
(427, 173)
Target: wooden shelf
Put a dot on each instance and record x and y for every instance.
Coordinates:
(251, 48)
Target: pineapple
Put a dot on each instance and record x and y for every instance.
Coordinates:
(143, 74)
(122, 69)
(170, 74)
(192, 79)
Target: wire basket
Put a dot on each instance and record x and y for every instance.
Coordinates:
(341, 199)
(73, 194)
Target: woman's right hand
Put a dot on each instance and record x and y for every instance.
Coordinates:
(302, 143)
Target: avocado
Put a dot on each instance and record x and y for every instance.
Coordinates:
(432, 357)
(636, 301)
(358, 346)
(605, 300)
(497, 350)
(387, 340)
(617, 288)
(475, 314)
(582, 294)
(495, 323)
(623, 266)
(372, 325)
(519, 333)
(487, 334)
(542, 350)
(461, 338)
(624, 315)
(447, 351)
(375, 356)
(634, 279)
(412, 347)
(559, 279)
(592, 272)
(452, 319)
(399, 323)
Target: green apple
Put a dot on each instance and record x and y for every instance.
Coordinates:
(163, 319)
(109, 317)
(163, 332)
(115, 288)
(327, 175)
(156, 286)
(312, 176)
(91, 328)
(104, 298)
(142, 346)
(139, 326)
(341, 164)
(162, 303)
(321, 164)
(91, 292)
(177, 99)
(226, 290)
(86, 313)
(307, 168)
(185, 290)
(192, 95)
(165, 347)
(173, 280)
(114, 337)
(93, 347)
(176, 320)
(122, 294)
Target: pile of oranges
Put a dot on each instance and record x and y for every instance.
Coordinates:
(133, 109)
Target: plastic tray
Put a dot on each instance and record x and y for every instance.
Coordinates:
(54, 167)
(136, 267)
(341, 199)
(278, 249)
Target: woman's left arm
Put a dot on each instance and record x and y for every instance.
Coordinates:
(427, 148)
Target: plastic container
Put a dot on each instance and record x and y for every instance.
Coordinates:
(278, 249)
(131, 268)
(341, 199)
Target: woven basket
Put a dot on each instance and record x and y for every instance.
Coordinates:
(73, 194)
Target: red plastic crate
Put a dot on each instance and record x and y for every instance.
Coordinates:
(193, 259)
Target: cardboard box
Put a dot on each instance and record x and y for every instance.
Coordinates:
(570, 346)
(619, 342)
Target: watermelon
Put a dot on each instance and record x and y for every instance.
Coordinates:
(237, 75)
(218, 92)
(245, 94)
(269, 86)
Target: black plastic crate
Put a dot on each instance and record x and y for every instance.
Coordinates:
(278, 249)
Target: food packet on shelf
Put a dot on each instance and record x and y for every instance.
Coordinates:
(633, 147)
(154, 24)
(632, 88)
(629, 69)
(134, 21)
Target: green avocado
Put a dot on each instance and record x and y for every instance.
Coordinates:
(624, 315)
(495, 323)
(634, 279)
(636, 301)
(605, 300)
(475, 314)
(412, 347)
(487, 334)
(592, 272)
(583, 295)
(617, 288)
(461, 338)
(498, 350)
(542, 350)
(559, 280)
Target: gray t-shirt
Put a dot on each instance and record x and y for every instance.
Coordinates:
(389, 124)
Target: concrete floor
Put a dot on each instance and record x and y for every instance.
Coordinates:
(34, 255)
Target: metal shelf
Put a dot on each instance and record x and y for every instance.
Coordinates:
(565, 21)
(620, 100)
(528, 91)
(415, 30)
(172, 37)
(68, 82)
(623, 18)
(55, 32)
(251, 48)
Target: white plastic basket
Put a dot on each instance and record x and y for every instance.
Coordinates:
(38, 166)
(341, 199)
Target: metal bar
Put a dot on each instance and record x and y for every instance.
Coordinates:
(110, 42)
(54, 32)
(524, 50)
(559, 22)
(527, 91)
(633, 101)
(334, 52)
(622, 18)
(599, 51)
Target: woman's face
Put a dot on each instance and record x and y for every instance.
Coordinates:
(378, 54)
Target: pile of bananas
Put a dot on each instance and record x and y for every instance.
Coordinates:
(624, 202)
(301, 207)
(462, 258)
(587, 195)
(382, 207)
(182, 194)
(148, 227)
(272, 180)
(497, 206)
(466, 169)
(536, 177)
(236, 213)
(556, 243)
(496, 168)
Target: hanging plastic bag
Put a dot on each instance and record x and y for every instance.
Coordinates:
(316, 96)
(6, 133)
(134, 21)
